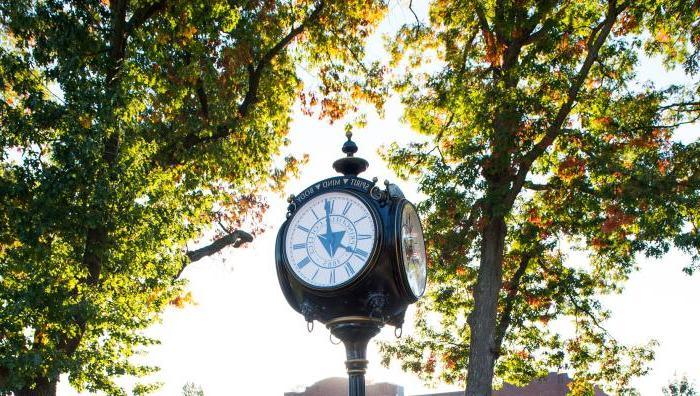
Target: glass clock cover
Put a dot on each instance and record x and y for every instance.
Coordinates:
(413, 250)
(329, 240)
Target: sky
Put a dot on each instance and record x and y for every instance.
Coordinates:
(241, 337)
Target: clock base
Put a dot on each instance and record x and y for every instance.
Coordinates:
(355, 332)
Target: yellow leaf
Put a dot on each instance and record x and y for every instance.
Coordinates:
(662, 36)
(85, 121)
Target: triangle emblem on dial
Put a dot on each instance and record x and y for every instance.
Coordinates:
(345, 181)
(318, 186)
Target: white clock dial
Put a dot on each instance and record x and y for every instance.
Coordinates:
(330, 239)
(413, 250)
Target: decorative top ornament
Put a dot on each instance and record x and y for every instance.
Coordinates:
(350, 165)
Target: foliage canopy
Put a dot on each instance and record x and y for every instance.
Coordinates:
(543, 136)
(680, 387)
(127, 129)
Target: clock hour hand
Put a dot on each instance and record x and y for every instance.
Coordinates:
(326, 242)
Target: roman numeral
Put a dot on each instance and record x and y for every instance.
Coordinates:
(349, 269)
(364, 236)
(347, 208)
(315, 273)
(304, 229)
(361, 253)
(358, 220)
(332, 278)
(332, 206)
(303, 262)
(299, 246)
(315, 215)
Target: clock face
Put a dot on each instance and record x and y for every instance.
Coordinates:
(413, 250)
(330, 239)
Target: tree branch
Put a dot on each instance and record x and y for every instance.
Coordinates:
(548, 187)
(669, 126)
(597, 39)
(567, 292)
(96, 236)
(469, 230)
(4, 375)
(483, 22)
(681, 104)
(506, 317)
(536, 186)
(355, 57)
(410, 8)
(235, 239)
(578, 307)
(499, 22)
(254, 76)
(543, 9)
(203, 101)
(143, 14)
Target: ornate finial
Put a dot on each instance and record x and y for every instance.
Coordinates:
(349, 148)
(350, 165)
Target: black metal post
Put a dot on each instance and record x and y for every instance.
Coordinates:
(355, 332)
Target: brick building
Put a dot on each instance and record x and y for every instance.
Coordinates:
(552, 385)
(339, 387)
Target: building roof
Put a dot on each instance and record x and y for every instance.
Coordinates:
(339, 386)
(554, 384)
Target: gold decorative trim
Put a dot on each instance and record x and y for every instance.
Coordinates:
(353, 319)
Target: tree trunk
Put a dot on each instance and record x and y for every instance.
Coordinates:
(41, 387)
(482, 320)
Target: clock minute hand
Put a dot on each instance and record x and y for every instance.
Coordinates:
(329, 230)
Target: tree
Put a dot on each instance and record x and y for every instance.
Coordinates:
(540, 139)
(127, 129)
(191, 389)
(680, 387)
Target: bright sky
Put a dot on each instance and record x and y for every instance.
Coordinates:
(241, 337)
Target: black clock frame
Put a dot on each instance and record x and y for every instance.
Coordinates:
(381, 291)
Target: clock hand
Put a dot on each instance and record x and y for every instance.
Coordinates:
(348, 248)
(326, 242)
(329, 230)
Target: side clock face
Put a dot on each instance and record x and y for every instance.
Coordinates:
(413, 254)
(330, 239)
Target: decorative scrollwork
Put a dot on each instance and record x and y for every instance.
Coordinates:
(376, 304)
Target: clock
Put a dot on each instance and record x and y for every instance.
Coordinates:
(330, 240)
(351, 255)
(412, 253)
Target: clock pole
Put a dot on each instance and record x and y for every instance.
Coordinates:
(355, 332)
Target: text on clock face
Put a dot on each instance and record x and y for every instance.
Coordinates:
(330, 239)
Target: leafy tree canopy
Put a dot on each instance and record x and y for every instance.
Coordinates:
(191, 389)
(128, 128)
(680, 387)
(542, 135)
